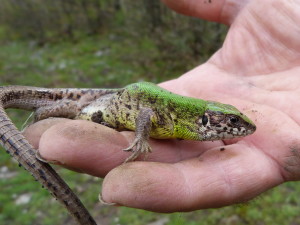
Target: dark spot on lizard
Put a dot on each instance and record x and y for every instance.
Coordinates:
(31, 152)
(77, 215)
(78, 96)
(161, 119)
(127, 115)
(222, 149)
(117, 106)
(97, 117)
(3, 138)
(58, 97)
(42, 174)
(32, 165)
(152, 99)
(128, 97)
(128, 106)
(117, 124)
(11, 142)
(70, 95)
(66, 202)
(171, 106)
(54, 188)
(49, 185)
(190, 128)
(50, 95)
(91, 220)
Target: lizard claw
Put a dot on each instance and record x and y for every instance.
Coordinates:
(139, 146)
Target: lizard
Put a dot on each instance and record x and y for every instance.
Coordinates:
(143, 107)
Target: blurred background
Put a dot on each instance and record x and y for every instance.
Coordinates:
(108, 43)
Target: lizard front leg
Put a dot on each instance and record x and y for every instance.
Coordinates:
(142, 132)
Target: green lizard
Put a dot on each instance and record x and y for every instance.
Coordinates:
(144, 107)
(152, 111)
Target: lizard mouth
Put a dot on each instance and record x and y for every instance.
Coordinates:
(223, 132)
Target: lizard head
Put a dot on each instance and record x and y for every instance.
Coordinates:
(222, 121)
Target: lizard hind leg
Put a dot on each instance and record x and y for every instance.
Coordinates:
(140, 144)
(64, 108)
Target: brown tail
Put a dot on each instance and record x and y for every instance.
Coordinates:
(19, 148)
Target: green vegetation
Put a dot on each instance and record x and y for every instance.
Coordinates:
(129, 47)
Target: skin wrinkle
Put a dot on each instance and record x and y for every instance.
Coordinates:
(269, 31)
(257, 36)
(220, 59)
(216, 184)
(227, 170)
(187, 188)
(148, 185)
(227, 179)
(254, 187)
(221, 160)
(289, 14)
(277, 81)
(258, 32)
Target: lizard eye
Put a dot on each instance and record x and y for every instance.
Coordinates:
(234, 119)
(204, 120)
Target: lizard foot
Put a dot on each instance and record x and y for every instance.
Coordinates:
(138, 146)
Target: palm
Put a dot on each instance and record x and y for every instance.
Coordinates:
(256, 71)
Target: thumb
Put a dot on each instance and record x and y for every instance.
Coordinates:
(214, 179)
(218, 11)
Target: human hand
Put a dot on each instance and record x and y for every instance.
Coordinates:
(255, 70)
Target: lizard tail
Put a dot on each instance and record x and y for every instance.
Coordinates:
(19, 148)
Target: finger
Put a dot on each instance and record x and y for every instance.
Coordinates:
(219, 11)
(213, 180)
(83, 146)
(95, 149)
(34, 131)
